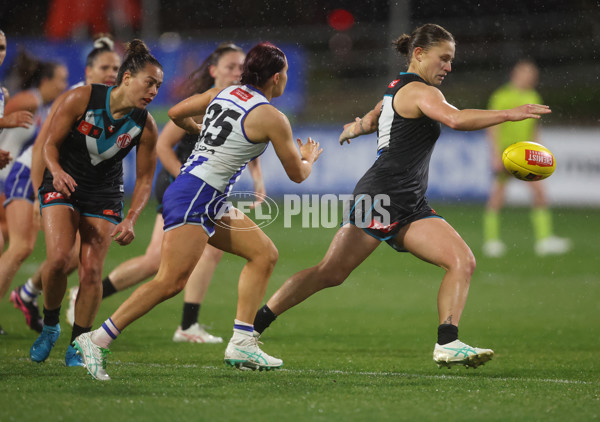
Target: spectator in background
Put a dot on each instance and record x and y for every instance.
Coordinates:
(519, 90)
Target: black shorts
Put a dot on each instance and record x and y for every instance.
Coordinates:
(108, 208)
(163, 180)
(381, 218)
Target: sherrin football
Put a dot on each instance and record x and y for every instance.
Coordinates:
(529, 161)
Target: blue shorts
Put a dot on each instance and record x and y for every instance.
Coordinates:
(190, 200)
(18, 184)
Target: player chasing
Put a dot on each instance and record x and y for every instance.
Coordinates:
(102, 66)
(408, 124)
(238, 124)
(92, 130)
(221, 69)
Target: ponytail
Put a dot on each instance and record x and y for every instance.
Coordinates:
(137, 56)
(263, 61)
(102, 43)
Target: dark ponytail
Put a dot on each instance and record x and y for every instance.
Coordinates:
(137, 56)
(425, 36)
(200, 79)
(263, 61)
(31, 71)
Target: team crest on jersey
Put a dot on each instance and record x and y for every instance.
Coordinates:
(111, 128)
(89, 129)
(123, 140)
(393, 83)
(241, 94)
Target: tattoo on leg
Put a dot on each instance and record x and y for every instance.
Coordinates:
(448, 320)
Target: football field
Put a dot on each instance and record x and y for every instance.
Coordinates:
(361, 351)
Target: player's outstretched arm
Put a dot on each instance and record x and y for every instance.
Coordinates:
(432, 103)
(266, 123)
(368, 124)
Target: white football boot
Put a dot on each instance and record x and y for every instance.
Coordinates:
(94, 356)
(243, 353)
(494, 248)
(459, 353)
(552, 245)
(195, 334)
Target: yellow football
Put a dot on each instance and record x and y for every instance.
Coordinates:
(528, 161)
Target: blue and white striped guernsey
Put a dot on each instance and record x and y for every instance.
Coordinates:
(223, 150)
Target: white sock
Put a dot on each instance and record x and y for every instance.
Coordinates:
(28, 292)
(104, 335)
(242, 328)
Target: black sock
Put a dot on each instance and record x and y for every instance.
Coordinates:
(447, 333)
(107, 288)
(190, 315)
(264, 317)
(51, 317)
(77, 331)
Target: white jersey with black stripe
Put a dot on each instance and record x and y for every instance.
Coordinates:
(223, 150)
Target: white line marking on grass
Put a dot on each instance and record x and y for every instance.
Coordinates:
(365, 373)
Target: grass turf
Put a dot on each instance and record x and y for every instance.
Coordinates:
(361, 351)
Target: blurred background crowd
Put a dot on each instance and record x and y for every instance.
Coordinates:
(343, 46)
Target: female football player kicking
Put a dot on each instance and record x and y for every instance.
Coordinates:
(408, 123)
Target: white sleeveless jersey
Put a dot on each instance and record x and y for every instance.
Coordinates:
(223, 150)
(26, 156)
(16, 140)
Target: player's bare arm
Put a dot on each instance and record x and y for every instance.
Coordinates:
(68, 112)
(368, 124)
(123, 233)
(169, 137)
(184, 112)
(267, 123)
(432, 103)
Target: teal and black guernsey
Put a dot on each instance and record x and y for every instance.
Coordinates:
(94, 149)
(404, 149)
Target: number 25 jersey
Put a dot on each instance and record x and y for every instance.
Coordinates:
(223, 150)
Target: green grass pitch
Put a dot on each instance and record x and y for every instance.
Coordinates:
(361, 351)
